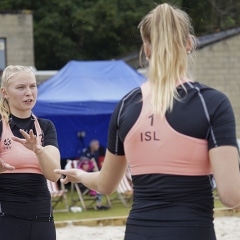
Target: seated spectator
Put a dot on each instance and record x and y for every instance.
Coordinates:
(95, 152)
(89, 162)
(88, 166)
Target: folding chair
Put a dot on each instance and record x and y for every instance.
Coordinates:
(84, 196)
(58, 195)
(83, 193)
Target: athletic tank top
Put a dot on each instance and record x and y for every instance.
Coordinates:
(153, 146)
(16, 154)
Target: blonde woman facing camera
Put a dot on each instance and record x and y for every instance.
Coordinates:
(28, 155)
(174, 133)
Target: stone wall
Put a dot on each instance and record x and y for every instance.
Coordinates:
(17, 29)
(218, 65)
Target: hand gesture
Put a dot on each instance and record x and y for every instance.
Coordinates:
(72, 175)
(5, 166)
(30, 141)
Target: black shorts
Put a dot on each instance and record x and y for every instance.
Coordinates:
(21, 229)
(134, 232)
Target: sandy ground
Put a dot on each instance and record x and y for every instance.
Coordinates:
(227, 228)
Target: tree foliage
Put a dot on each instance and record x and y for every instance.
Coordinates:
(105, 29)
(213, 15)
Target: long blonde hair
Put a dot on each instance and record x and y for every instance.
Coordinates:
(7, 74)
(167, 30)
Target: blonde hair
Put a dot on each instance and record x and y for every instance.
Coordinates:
(7, 74)
(167, 30)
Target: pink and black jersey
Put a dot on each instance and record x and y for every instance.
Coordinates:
(168, 156)
(153, 146)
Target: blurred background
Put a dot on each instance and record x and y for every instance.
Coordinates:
(52, 35)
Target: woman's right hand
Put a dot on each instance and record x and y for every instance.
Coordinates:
(5, 166)
(72, 175)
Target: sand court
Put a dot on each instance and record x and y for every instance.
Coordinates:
(227, 228)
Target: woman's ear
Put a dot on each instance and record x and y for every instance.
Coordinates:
(189, 45)
(147, 50)
(4, 93)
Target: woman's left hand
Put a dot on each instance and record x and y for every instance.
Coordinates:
(30, 141)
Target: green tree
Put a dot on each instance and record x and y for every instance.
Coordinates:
(82, 29)
(213, 15)
(106, 29)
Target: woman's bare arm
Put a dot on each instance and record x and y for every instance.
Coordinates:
(225, 165)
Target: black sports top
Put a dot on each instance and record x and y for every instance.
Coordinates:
(167, 199)
(26, 195)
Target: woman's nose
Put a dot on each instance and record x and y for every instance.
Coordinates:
(28, 91)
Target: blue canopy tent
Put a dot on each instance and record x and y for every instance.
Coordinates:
(80, 99)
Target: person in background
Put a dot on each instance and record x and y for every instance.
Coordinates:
(94, 152)
(90, 161)
(28, 155)
(174, 132)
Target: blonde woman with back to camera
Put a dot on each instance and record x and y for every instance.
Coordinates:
(28, 155)
(175, 133)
